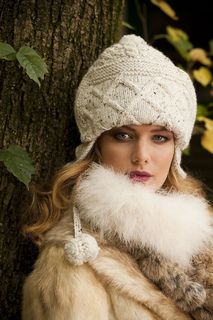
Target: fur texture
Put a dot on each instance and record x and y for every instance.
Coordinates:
(58, 290)
(191, 289)
(176, 225)
(149, 225)
(109, 288)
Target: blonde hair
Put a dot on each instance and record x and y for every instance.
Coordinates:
(47, 206)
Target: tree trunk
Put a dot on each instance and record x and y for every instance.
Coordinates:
(69, 34)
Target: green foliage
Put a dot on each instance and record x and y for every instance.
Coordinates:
(166, 8)
(7, 52)
(29, 60)
(32, 63)
(180, 40)
(186, 151)
(202, 110)
(18, 162)
(127, 25)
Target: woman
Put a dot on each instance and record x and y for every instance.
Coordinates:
(135, 111)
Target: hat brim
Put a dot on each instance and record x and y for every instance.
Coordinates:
(83, 150)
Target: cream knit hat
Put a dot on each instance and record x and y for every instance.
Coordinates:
(133, 83)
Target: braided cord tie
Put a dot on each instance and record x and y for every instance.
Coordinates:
(77, 223)
(83, 247)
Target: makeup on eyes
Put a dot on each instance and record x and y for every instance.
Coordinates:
(164, 135)
(115, 131)
(165, 138)
(116, 134)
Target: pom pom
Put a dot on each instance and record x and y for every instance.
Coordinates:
(81, 249)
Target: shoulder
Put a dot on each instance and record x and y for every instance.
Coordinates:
(57, 286)
(52, 267)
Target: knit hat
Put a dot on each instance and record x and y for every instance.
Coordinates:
(133, 83)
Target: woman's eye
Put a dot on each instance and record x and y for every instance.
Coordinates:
(160, 138)
(122, 136)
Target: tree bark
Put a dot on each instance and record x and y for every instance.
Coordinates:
(69, 34)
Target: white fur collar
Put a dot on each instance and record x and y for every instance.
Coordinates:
(175, 224)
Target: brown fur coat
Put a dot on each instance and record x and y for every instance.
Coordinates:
(109, 288)
(169, 234)
(112, 286)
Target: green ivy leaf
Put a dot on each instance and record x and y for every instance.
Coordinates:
(7, 52)
(18, 162)
(33, 64)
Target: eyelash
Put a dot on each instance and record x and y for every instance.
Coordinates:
(116, 136)
(166, 138)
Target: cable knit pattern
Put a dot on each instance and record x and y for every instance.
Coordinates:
(133, 83)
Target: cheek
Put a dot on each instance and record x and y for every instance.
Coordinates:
(163, 165)
(113, 153)
(166, 156)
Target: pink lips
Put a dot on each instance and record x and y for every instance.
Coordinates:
(140, 176)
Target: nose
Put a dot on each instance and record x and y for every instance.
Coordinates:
(140, 152)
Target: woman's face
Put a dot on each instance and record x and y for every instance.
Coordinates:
(134, 149)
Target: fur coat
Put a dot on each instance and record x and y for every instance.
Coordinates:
(169, 234)
(109, 288)
(122, 217)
